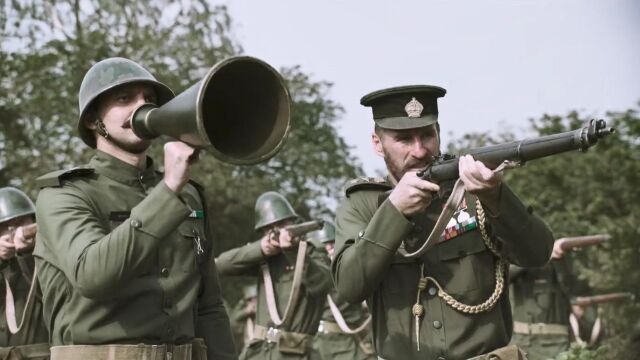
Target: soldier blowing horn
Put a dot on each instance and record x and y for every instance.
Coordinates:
(239, 111)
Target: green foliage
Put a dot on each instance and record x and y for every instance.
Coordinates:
(47, 47)
(589, 193)
(581, 353)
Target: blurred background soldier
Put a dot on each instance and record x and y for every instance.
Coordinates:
(293, 280)
(124, 252)
(22, 298)
(541, 301)
(345, 329)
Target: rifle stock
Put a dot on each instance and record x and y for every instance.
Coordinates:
(445, 167)
(568, 243)
(601, 299)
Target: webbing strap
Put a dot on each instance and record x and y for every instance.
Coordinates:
(337, 315)
(295, 287)
(10, 307)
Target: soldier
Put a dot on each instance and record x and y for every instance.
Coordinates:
(449, 302)
(124, 252)
(23, 333)
(344, 331)
(293, 282)
(540, 300)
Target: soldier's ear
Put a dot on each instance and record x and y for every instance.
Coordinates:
(377, 144)
(90, 119)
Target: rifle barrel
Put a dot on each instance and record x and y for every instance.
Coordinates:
(569, 243)
(522, 151)
(601, 299)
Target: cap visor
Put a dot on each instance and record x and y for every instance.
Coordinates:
(400, 123)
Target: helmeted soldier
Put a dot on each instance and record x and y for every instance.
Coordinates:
(123, 252)
(448, 301)
(23, 333)
(293, 280)
(345, 329)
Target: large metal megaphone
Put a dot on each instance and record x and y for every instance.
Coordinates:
(239, 111)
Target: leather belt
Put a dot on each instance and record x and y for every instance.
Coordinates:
(272, 335)
(122, 352)
(539, 328)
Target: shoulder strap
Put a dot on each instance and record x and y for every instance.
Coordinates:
(10, 307)
(342, 324)
(366, 183)
(295, 287)
(56, 178)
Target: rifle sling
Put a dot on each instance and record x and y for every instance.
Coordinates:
(295, 287)
(337, 315)
(450, 207)
(10, 307)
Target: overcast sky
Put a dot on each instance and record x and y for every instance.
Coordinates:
(502, 62)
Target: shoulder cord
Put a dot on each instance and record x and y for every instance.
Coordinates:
(295, 287)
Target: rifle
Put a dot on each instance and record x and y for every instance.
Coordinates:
(302, 228)
(568, 243)
(601, 299)
(445, 167)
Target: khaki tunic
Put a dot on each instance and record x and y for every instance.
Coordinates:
(316, 282)
(366, 266)
(119, 260)
(33, 332)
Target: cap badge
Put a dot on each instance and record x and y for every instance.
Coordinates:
(414, 108)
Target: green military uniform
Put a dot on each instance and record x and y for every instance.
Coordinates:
(540, 300)
(243, 318)
(31, 342)
(122, 259)
(331, 341)
(367, 265)
(291, 340)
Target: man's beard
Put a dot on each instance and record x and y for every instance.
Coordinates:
(398, 170)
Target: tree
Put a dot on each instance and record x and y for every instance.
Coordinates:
(46, 48)
(589, 193)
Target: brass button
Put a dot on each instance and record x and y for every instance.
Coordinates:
(361, 233)
(437, 324)
(432, 291)
(136, 223)
(164, 272)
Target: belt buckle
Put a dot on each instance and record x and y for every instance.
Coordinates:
(272, 335)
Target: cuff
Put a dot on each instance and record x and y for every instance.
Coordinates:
(254, 252)
(159, 213)
(387, 228)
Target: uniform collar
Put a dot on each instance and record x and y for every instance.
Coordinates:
(122, 172)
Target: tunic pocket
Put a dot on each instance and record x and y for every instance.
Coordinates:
(466, 265)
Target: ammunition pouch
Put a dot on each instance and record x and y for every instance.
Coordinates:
(510, 352)
(289, 342)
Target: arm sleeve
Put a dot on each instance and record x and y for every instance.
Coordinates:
(244, 260)
(526, 239)
(213, 322)
(95, 260)
(365, 247)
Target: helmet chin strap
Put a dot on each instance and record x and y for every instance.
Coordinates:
(101, 129)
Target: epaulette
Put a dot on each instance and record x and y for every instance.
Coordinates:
(56, 178)
(366, 183)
